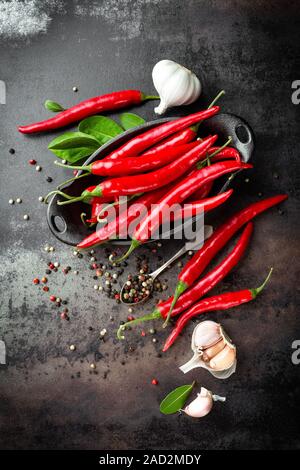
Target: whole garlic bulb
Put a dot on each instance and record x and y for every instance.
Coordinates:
(175, 84)
(203, 404)
(213, 350)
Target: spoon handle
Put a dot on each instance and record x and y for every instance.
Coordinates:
(167, 263)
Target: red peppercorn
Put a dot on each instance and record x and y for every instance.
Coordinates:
(154, 382)
(117, 296)
(51, 265)
(32, 162)
(45, 288)
(64, 316)
(36, 280)
(143, 333)
(53, 298)
(95, 266)
(130, 318)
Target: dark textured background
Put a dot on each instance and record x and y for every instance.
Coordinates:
(48, 397)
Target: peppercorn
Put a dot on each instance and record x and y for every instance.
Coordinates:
(49, 179)
(12, 151)
(53, 298)
(32, 162)
(36, 280)
(154, 382)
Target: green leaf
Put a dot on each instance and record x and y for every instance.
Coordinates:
(73, 146)
(53, 106)
(175, 400)
(130, 120)
(101, 127)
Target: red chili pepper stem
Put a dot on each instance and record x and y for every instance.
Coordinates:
(74, 167)
(83, 219)
(195, 127)
(149, 97)
(151, 316)
(61, 185)
(57, 192)
(133, 246)
(209, 157)
(180, 288)
(257, 290)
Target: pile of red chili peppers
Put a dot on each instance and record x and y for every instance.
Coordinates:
(165, 165)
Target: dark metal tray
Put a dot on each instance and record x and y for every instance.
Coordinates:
(65, 222)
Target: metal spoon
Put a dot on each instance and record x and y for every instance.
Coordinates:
(188, 246)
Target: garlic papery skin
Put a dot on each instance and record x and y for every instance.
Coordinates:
(206, 334)
(175, 84)
(203, 404)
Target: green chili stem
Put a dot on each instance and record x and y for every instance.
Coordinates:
(195, 127)
(66, 196)
(151, 316)
(74, 167)
(255, 292)
(133, 246)
(180, 288)
(61, 185)
(70, 201)
(199, 164)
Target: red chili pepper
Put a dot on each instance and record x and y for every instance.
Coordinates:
(204, 285)
(202, 192)
(98, 104)
(179, 138)
(137, 184)
(217, 302)
(176, 195)
(196, 265)
(134, 165)
(120, 225)
(226, 153)
(141, 142)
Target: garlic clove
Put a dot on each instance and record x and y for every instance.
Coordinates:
(201, 406)
(224, 359)
(212, 351)
(224, 374)
(206, 334)
(175, 84)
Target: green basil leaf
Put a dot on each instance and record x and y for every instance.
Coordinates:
(101, 127)
(73, 146)
(130, 120)
(175, 400)
(53, 106)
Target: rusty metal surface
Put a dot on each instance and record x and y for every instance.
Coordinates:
(49, 397)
